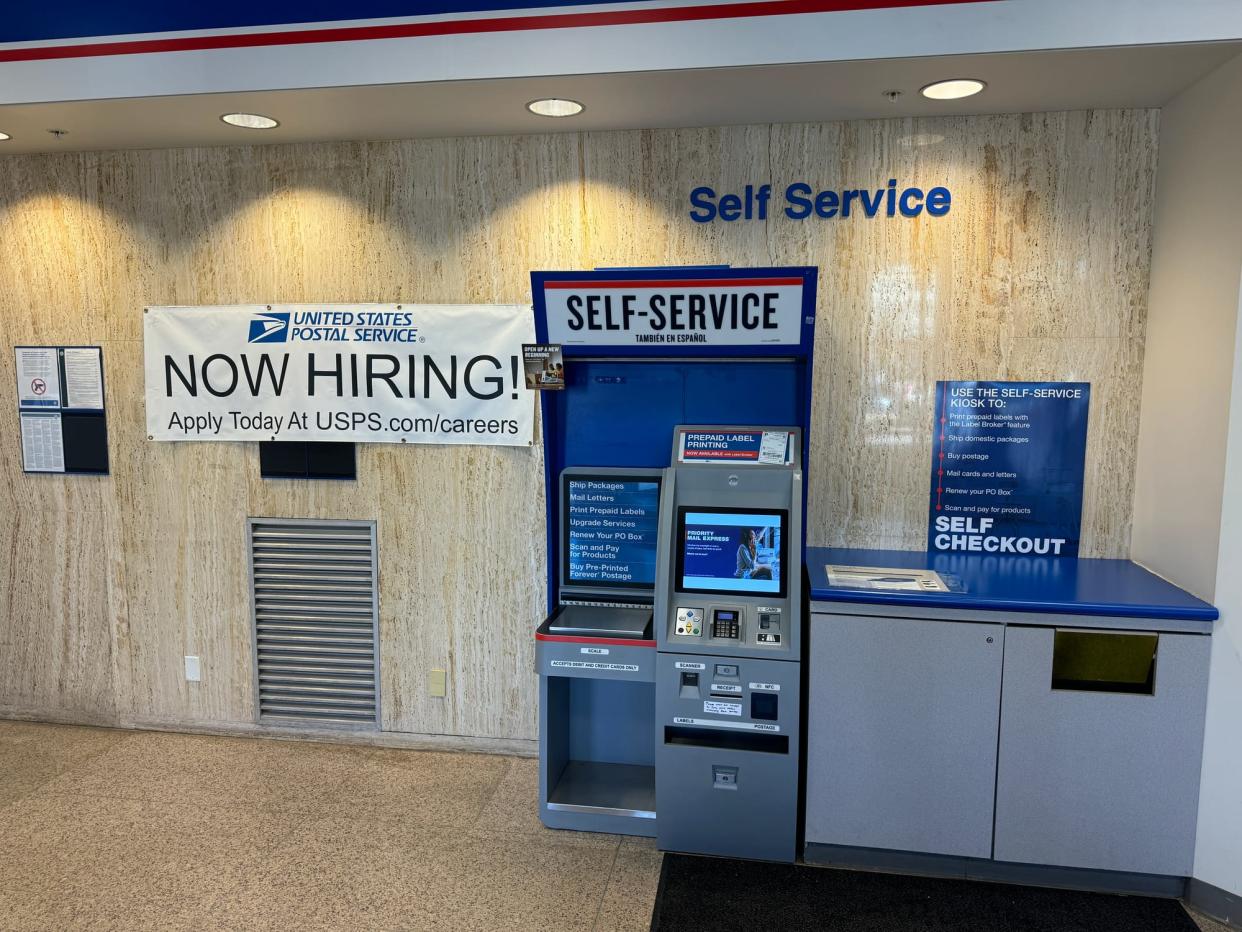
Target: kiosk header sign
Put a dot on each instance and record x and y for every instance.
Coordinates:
(685, 312)
(380, 373)
(1007, 467)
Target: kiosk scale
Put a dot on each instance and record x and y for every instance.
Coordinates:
(728, 620)
(596, 748)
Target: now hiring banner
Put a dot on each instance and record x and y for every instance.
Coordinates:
(368, 373)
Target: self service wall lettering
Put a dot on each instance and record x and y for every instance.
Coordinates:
(699, 311)
(390, 373)
(1007, 467)
(801, 201)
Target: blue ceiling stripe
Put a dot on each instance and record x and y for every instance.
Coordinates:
(80, 19)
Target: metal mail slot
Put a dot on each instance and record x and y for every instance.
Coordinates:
(1105, 661)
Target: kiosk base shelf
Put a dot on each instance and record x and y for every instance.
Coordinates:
(599, 788)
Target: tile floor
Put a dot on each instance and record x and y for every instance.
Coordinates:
(127, 830)
(104, 829)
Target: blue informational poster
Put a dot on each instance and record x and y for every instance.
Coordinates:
(1007, 467)
(611, 529)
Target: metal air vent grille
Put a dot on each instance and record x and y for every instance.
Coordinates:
(314, 595)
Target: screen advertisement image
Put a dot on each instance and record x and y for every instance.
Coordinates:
(731, 551)
(610, 530)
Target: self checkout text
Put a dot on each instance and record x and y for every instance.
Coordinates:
(975, 535)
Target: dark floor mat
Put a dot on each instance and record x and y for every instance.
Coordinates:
(723, 895)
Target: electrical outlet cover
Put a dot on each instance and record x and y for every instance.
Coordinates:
(193, 670)
(437, 682)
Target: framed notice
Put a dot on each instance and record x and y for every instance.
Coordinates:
(38, 377)
(83, 376)
(43, 442)
(61, 411)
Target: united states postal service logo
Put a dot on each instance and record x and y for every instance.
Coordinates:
(269, 328)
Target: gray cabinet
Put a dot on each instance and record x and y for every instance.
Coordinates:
(1100, 777)
(901, 737)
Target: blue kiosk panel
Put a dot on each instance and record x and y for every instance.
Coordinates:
(621, 401)
(622, 412)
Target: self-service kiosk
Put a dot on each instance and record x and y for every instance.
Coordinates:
(624, 746)
(728, 624)
(595, 657)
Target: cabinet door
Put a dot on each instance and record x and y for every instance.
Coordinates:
(901, 741)
(1099, 777)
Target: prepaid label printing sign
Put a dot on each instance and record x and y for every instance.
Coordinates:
(698, 311)
(1007, 467)
(386, 373)
(735, 446)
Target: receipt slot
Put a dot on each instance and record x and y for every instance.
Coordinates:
(728, 624)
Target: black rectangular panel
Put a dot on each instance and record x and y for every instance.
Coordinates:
(763, 706)
(279, 459)
(86, 442)
(300, 459)
(331, 460)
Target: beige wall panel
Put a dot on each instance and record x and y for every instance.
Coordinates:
(55, 639)
(636, 196)
(54, 248)
(461, 587)
(182, 514)
(1039, 272)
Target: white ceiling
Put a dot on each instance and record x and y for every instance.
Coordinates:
(1017, 82)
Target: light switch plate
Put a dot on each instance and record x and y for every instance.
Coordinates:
(437, 682)
(193, 670)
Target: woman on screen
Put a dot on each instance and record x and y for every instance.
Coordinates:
(748, 566)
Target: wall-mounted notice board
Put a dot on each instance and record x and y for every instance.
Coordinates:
(60, 406)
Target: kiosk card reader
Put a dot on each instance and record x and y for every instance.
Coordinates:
(728, 623)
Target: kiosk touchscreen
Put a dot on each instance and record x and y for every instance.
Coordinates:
(728, 620)
(595, 655)
(609, 522)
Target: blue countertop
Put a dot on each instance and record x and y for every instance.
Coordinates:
(1116, 588)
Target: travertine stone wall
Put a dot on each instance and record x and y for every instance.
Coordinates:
(1039, 272)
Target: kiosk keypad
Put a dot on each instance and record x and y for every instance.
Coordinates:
(726, 623)
(690, 622)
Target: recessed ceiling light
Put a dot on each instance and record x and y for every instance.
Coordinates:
(249, 120)
(4, 136)
(952, 89)
(555, 107)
